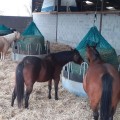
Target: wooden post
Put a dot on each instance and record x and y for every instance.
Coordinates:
(79, 4)
(101, 15)
(59, 4)
(57, 20)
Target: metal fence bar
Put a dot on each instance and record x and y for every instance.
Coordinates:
(68, 67)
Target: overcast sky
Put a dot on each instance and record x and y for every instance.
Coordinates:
(16, 7)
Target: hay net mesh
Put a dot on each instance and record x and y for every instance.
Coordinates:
(4, 30)
(106, 51)
(32, 41)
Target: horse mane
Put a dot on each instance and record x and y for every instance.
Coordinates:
(94, 52)
(97, 54)
(75, 51)
(11, 37)
(62, 57)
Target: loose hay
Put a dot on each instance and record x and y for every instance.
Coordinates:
(68, 107)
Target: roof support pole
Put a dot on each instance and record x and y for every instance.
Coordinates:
(58, 4)
(101, 15)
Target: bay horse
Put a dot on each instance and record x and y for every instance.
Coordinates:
(33, 69)
(6, 41)
(102, 85)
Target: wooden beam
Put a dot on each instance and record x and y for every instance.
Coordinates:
(83, 12)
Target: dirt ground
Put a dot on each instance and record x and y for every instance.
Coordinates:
(68, 107)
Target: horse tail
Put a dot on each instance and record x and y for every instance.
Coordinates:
(106, 98)
(20, 83)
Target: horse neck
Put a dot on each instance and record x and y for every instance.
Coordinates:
(63, 58)
(10, 37)
(96, 60)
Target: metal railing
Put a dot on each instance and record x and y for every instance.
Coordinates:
(28, 49)
(69, 68)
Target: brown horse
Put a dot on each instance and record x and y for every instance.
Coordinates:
(102, 84)
(33, 69)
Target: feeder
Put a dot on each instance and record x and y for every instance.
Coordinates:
(31, 44)
(73, 81)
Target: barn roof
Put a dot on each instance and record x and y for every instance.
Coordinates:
(90, 5)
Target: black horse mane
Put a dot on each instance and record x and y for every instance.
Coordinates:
(97, 54)
(64, 56)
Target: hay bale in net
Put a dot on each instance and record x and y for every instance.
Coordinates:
(32, 41)
(32, 30)
(30, 44)
(106, 51)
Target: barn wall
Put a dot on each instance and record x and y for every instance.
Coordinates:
(19, 23)
(46, 23)
(73, 27)
(111, 30)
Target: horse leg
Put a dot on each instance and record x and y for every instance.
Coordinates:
(49, 88)
(27, 94)
(1, 56)
(94, 107)
(56, 81)
(13, 96)
(4, 52)
(95, 114)
(111, 114)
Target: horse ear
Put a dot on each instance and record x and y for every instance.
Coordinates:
(71, 48)
(95, 46)
(88, 46)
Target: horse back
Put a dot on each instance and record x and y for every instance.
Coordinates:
(115, 83)
(93, 81)
(54, 65)
(46, 72)
(95, 72)
(32, 66)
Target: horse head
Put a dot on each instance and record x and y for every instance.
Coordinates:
(92, 53)
(77, 57)
(17, 35)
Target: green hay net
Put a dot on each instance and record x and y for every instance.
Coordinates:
(4, 30)
(106, 51)
(32, 30)
(33, 37)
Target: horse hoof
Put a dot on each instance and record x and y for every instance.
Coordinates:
(56, 98)
(49, 97)
(12, 104)
(26, 106)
